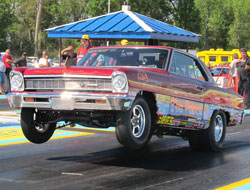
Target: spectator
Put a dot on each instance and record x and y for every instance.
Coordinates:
(86, 44)
(7, 59)
(243, 68)
(233, 70)
(21, 62)
(65, 54)
(69, 57)
(2, 76)
(44, 61)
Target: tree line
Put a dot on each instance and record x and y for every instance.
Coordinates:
(221, 23)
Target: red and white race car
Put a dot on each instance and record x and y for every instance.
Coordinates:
(141, 91)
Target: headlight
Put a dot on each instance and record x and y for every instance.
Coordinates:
(16, 81)
(119, 82)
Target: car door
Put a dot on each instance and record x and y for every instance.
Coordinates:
(187, 90)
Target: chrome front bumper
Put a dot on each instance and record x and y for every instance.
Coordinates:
(70, 101)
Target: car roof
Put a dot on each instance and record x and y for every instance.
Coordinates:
(158, 47)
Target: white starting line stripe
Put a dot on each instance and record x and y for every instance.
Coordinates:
(75, 174)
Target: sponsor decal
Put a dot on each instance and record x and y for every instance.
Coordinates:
(183, 123)
(196, 125)
(192, 120)
(175, 122)
(165, 120)
(142, 76)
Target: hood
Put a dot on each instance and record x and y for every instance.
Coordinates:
(75, 70)
(71, 70)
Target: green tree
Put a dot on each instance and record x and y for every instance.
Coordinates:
(186, 16)
(7, 18)
(157, 9)
(23, 27)
(216, 18)
(239, 33)
(100, 7)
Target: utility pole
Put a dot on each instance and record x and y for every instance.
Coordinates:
(108, 6)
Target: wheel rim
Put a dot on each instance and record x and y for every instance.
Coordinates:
(42, 128)
(218, 130)
(138, 121)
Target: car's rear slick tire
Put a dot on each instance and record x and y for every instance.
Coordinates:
(211, 139)
(30, 131)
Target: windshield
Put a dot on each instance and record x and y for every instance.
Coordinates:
(142, 57)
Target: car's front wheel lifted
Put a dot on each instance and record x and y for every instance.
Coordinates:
(36, 133)
(133, 129)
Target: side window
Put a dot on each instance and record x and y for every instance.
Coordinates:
(172, 67)
(224, 58)
(198, 72)
(212, 58)
(186, 66)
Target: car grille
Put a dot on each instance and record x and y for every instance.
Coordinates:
(82, 84)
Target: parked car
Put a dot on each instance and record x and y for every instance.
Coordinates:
(222, 71)
(142, 91)
(221, 75)
(31, 61)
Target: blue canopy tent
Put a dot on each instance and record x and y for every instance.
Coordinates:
(123, 24)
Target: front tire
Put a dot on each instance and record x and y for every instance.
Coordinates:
(210, 139)
(35, 133)
(133, 129)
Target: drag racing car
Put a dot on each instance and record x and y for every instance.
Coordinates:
(139, 90)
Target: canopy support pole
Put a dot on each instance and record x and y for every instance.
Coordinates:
(60, 49)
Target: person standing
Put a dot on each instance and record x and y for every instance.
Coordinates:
(21, 62)
(86, 44)
(243, 67)
(44, 61)
(65, 54)
(69, 57)
(233, 72)
(2, 77)
(8, 60)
